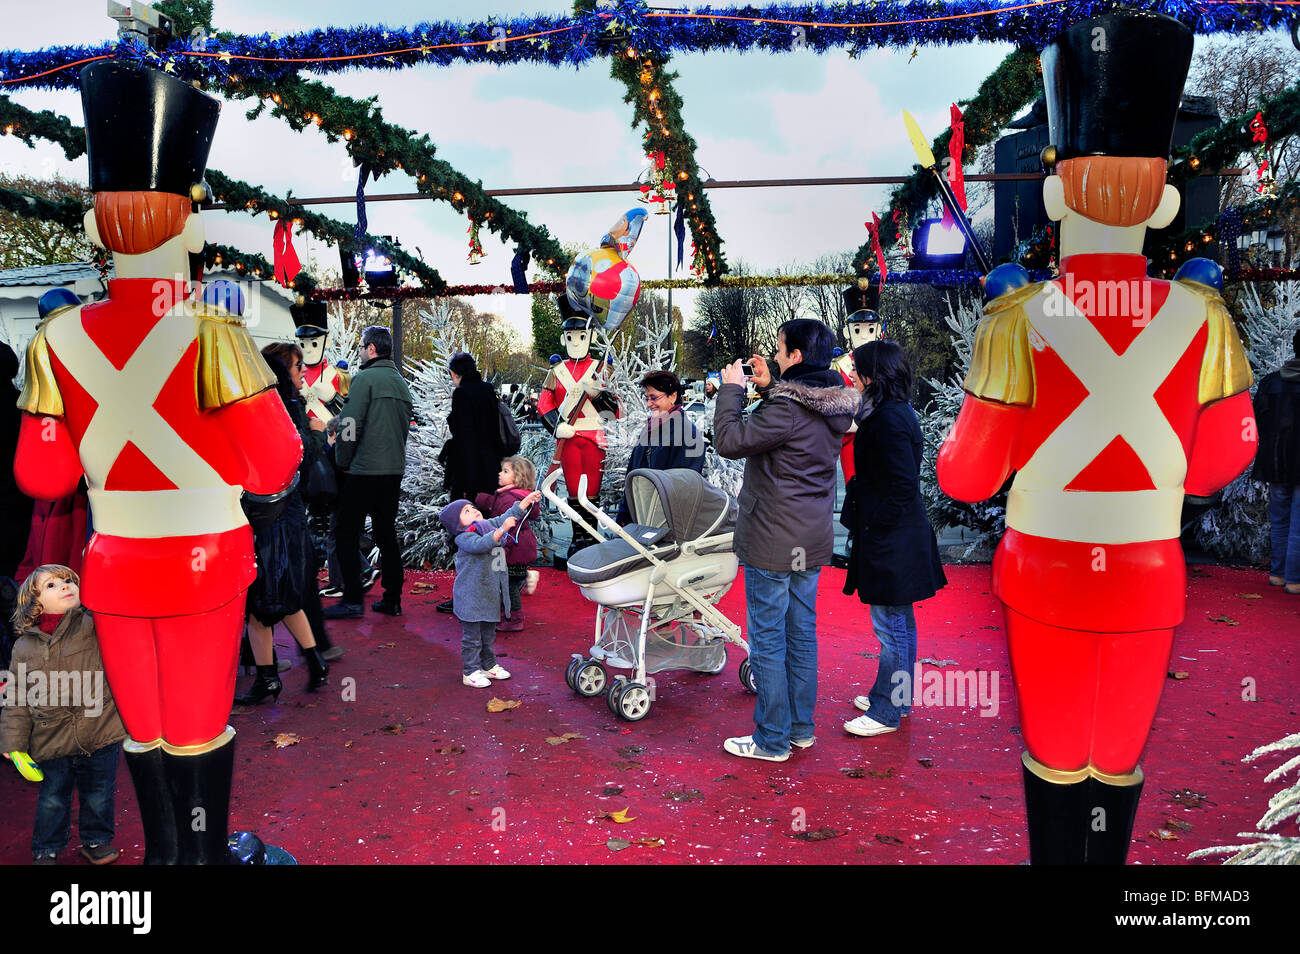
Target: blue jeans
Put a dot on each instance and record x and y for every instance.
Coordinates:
(781, 617)
(1284, 517)
(895, 627)
(95, 777)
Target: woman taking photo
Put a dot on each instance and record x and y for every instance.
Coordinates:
(894, 559)
(669, 440)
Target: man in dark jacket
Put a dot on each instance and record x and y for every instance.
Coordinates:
(1277, 411)
(784, 533)
(371, 448)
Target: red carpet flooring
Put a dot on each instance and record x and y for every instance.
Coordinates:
(398, 763)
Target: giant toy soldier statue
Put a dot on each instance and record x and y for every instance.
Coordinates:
(1109, 395)
(865, 324)
(170, 412)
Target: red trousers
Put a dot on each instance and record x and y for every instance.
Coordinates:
(173, 678)
(1086, 698)
(578, 457)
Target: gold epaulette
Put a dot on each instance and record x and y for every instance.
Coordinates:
(345, 382)
(844, 363)
(1001, 363)
(1225, 370)
(230, 367)
(40, 394)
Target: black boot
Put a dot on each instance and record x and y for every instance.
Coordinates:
(317, 667)
(149, 776)
(1111, 828)
(200, 790)
(266, 684)
(1059, 814)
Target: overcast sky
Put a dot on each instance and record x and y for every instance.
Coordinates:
(754, 116)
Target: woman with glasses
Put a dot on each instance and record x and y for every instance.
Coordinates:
(669, 440)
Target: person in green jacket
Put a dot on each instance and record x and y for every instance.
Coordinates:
(371, 449)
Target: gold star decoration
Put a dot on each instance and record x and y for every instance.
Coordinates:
(169, 67)
(223, 56)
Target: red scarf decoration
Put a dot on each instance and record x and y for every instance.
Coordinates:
(956, 177)
(873, 227)
(286, 259)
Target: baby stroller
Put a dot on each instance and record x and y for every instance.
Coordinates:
(655, 583)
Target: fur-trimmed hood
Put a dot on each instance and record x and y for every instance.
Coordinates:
(838, 404)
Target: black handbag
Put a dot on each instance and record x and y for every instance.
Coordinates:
(262, 510)
(322, 484)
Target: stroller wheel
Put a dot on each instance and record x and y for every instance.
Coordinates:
(590, 678)
(633, 702)
(611, 695)
(747, 676)
(571, 672)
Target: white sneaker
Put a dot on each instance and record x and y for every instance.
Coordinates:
(804, 743)
(496, 672)
(478, 679)
(744, 747)
(867, 726)
(864, 703)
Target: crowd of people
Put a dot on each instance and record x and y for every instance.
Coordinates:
(790, 443)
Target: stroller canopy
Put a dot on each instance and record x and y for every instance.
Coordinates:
(680, 500)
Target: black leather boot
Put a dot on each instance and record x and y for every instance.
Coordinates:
(266, 684)
(149, 776)
(200, 790)
(1059, 814)
(1111, 829)
(318, 669)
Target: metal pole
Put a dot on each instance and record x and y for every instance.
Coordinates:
(397, 334)
(670, 275)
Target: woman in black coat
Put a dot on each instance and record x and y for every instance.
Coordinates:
(286, 581)
(473, 454)
(669, 440)
(894, 559)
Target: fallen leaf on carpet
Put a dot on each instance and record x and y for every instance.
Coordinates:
(1187, 798)
(562, 739)
(456, 749)
(1250, 596)
(1163, 835)
(624, 766)
(889, 840)
(938, 662)
(611, 790)
(819, 834)
(1224, 619)
(684, 795)
(348, 744)
(286, 739)
(388, 645)
(501, 705)
(628, 751)
(618, 844)
(1179, 674)
(621, 816)
(887, 773)
(650, 842)
(724, 778)
(925, 763)
(418, 588)
(395, 729)
(854, 772)
(865, 654)
(1177, 824)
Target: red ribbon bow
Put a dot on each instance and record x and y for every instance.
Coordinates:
(285, 258)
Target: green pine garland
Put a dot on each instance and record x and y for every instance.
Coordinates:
(659, 106)
(387, 148)
(223, 256)
(66, 212)
(1008, 89)
(28, 125)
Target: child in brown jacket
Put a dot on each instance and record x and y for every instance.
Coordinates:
(57, 708)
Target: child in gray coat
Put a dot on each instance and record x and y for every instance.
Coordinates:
(482, 583)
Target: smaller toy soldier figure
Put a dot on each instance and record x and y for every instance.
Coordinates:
(324, 385)
(865, 324)
(571, 406)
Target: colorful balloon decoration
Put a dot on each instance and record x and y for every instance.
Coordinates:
(600, 282)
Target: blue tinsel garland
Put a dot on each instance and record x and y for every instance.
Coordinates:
(573, 40)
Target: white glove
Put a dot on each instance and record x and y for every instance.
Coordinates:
(324, 390)
(564, 430)
(591, 387)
